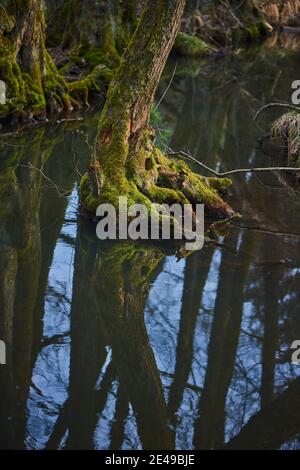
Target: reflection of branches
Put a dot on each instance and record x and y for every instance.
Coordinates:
(275, 424)
(60, 191)
(194, 282)
(194, 388)
(63, 420)
(270, 232)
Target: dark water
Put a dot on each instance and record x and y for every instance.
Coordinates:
(125, 347)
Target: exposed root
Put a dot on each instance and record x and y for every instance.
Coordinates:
(156, 179)
(95, 82)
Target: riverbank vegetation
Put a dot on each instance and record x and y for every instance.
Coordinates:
(61, 56)
(131, 345)
(57, 56)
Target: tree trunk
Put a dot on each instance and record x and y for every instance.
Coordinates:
(121, 313)
(30, 75)
(125, 159)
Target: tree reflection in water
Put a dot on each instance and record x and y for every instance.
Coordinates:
(122, 345)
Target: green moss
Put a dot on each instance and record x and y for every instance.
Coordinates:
(93, 56)
(157, 179)
(35, 98)
(161, 195)
(23, 92)
(252, 32)
(195, 188)
(15, 88)
(221, 185)
(191, 46)
(84, 186)
(32, 87)
(96, 82)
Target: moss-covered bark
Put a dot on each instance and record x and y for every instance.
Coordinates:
(31, 77)
(89, 38)
(191, 46)
(92, 32)
(125, 160)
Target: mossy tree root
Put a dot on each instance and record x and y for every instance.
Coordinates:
(157, 179)
(126, 161)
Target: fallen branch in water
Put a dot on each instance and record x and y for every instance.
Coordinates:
(186, 155)
(280, 104)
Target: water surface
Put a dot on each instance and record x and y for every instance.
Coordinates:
(123, 346)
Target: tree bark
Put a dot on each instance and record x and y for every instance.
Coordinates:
(132, 94)
(125, 159)
(31, 77)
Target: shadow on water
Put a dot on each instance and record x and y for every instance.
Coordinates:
(122, 346)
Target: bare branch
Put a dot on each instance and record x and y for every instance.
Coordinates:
(274, 104)
(186, 155)
(60, 191)
(167, 89)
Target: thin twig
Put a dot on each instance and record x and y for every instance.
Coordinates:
(168, 87)
(61, 192)
(186, 155)
(278, 104)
